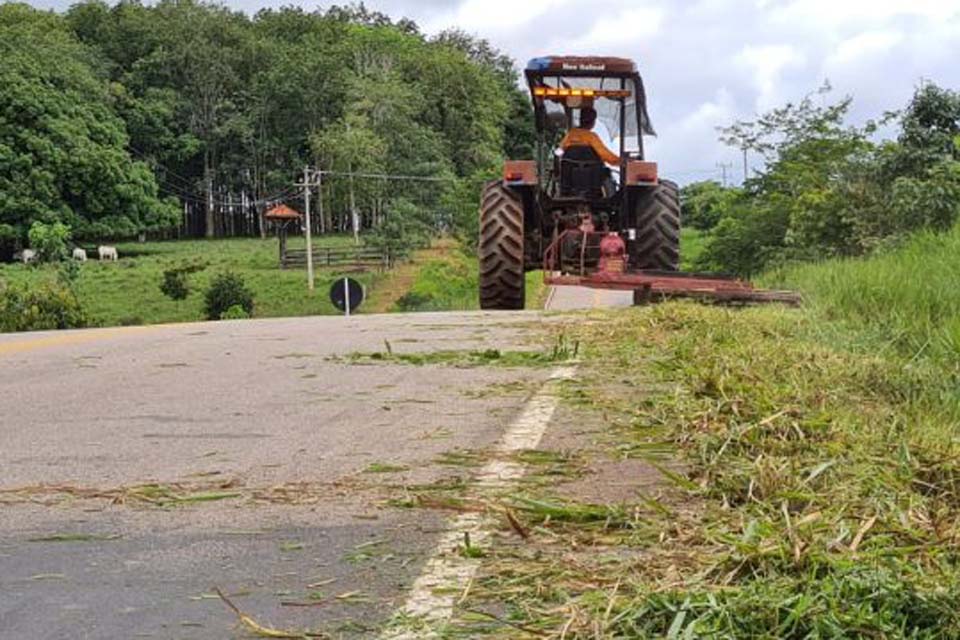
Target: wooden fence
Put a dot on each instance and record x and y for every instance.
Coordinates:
(361, 258)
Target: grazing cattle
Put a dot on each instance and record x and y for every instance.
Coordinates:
(28, 255)
(107, 253)
(80, 254)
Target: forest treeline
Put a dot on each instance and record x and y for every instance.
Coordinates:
(118, 119)
(829, 189)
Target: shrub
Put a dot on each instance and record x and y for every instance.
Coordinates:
(236, 312)
(413, 301)
(175, 285)
(706, 203)
(227, 290)
(38, 308)
(49, 240)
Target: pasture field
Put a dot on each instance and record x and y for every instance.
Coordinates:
(127, 292)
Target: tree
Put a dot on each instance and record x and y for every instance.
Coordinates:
(49, 240)
(828, 190)
(216, 107)
(349, 147)
(706, 203)
(63, 154)
(520, 135)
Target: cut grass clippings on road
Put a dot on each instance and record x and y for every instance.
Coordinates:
(563, 350)
(385, 467)
(816, 491)
(262, 631)
(156, 495)
(74, 537)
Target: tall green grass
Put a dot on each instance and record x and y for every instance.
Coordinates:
(692, 243)
(906, 300)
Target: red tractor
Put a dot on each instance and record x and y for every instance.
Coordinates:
(573, 206)
(584, 214)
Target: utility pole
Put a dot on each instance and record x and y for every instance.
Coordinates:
(210, 231)
(306, 207)
(723, 166)
(323, 223)
(746, 169)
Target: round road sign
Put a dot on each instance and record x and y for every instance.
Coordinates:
(344, 291)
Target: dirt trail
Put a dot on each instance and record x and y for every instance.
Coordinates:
(397, 282)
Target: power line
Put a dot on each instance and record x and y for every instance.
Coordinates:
(385, 176)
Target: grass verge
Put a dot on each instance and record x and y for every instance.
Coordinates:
(450, 282)
(816, 492)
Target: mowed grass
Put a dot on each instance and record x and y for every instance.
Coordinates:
(810, 463)
(128, 292)
(807, 491)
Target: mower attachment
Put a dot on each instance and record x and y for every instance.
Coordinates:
(609, 272)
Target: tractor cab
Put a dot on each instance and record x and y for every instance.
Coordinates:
(563, 89)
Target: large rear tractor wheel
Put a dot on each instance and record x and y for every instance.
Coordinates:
(658, 228)
(501, 248)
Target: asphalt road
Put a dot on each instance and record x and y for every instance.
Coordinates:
(140, 468)
(577, 298)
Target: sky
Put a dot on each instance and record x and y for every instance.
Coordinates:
(707, 63)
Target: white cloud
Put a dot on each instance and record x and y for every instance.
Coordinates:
(710, 115)
(863, 45)
(609, 32)
(493, 16)
(841, 13)
(686, 148)
(766, 63)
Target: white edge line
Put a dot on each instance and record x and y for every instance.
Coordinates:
(447, 572)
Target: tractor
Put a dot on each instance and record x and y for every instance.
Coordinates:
(586, 215)
(568, 211)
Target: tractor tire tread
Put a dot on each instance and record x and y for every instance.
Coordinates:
(658, 228)
(501, 249)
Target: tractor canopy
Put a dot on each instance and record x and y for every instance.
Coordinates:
(611, 85)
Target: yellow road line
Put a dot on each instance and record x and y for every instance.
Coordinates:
(65, 338)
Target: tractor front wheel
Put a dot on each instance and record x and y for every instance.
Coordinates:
(501, 248)
(658, 228)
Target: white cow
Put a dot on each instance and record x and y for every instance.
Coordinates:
(107, 253)
(28, 255)
(80, 254)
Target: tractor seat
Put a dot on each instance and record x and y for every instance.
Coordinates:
(582, 173)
